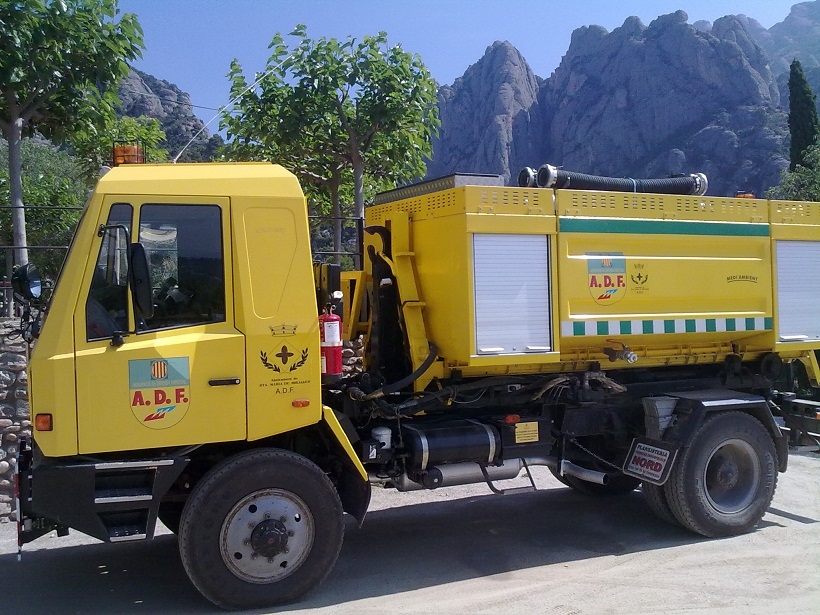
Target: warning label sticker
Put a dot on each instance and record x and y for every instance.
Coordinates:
(526, 432)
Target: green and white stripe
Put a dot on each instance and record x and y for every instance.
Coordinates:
(656, 327)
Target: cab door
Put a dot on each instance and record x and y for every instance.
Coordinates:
(176, 377)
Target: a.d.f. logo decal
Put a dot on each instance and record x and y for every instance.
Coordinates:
(606, 275)
(160, 390)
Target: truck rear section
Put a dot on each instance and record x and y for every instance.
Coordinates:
(187, 370)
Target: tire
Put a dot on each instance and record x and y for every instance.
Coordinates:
(263, 528)
(655, 498)
(725, 479)
(618, 484)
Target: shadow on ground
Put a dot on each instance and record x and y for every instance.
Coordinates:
(397, 550)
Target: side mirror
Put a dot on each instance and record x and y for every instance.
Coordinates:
(139, 277)
(26, 282)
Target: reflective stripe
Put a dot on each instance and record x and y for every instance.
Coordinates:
(581, 328)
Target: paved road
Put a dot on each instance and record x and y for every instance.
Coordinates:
(462, 550)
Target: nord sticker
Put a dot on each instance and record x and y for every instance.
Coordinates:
(650, 460)
(159, 390)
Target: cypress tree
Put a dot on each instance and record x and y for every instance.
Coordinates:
(803, 123)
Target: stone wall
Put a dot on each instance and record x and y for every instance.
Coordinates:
(14, 409)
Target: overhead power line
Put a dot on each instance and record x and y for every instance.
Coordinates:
(168, 100)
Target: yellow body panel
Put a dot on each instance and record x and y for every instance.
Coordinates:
(276, 310)
(437, 229)
(338, 431)
(51, 365)
(677, 279)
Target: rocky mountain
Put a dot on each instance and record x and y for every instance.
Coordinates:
(144, 94)
(501, 92)
(640, 101)
(796, 37)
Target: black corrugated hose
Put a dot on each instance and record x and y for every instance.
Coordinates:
(549, 176)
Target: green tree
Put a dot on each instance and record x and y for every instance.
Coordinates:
(803, 123)
(93, 145)
(60, 61)
(329, 110)
(802, 184)
(54, 191)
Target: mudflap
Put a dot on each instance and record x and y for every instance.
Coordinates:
(354, 486)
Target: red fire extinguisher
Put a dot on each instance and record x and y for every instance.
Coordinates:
(330, 336)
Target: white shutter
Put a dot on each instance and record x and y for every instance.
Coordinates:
(798, 289)
(512, 298)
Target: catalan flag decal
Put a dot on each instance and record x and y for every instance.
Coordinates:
(159, 370)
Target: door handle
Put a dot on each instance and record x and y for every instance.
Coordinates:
(224, 382)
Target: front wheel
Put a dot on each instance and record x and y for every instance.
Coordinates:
(263, 528)
(725, 479)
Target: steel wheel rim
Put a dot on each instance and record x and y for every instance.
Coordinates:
(266, 536)
(731, 476)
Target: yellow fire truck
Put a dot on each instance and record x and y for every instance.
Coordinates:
(185, 367)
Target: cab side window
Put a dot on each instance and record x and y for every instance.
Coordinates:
(185, 255)
(106, 307)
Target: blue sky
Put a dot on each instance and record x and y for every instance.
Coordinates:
(192, 42)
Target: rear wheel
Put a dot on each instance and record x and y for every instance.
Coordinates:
(725, 479)
(264, 528)
(655, 497)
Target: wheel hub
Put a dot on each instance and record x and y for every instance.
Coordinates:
(267, 535)
(727, 474)
(731, 476)
(270, 538)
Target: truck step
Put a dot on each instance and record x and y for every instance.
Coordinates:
(512, 490)
(123, 533)
(122, 496)
(133, 465)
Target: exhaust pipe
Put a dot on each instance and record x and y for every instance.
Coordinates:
(591, 476)
(549, 176)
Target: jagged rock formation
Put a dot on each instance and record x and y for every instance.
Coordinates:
(143, 94)
(489, 115)
(649, 101)
(638, 102)
(797, 36)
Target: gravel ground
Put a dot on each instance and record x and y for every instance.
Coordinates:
(464, 550)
